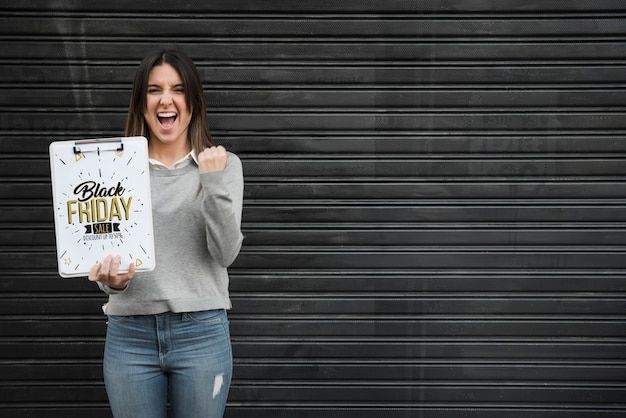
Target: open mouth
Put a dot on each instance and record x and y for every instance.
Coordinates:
(167, 119)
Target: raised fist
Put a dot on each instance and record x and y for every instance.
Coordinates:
(212, 159)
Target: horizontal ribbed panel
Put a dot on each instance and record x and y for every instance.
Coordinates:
(434, 212)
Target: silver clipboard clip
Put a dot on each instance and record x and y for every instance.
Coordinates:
(97, 145)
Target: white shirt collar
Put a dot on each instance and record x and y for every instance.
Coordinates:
(183, 162)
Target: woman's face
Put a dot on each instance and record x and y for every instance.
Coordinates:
(166, 111)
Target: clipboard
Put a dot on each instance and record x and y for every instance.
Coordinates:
(102, 203)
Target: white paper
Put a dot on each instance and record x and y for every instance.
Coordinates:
(102, 205)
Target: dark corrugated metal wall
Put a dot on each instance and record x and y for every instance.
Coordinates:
(435, 201)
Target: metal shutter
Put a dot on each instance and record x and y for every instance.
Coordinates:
(434, 210)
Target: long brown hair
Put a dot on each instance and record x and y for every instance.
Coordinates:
(198, 134)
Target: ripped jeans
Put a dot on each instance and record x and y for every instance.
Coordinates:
(187, 356)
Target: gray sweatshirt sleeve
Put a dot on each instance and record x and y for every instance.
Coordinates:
(222, 202)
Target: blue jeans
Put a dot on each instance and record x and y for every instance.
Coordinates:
(188, 355)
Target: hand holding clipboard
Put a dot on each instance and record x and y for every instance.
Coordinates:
(102, 205)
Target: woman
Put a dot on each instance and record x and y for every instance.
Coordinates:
(167, 330)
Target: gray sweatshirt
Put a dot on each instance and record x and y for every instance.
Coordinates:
(197, 235)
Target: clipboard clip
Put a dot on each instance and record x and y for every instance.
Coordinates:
(97, 145)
